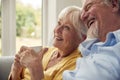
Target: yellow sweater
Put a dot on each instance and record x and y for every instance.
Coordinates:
(55, 72)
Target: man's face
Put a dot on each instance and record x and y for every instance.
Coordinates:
(95, 14)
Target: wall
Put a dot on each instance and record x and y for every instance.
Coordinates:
(61, 4)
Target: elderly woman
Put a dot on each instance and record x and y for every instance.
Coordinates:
(68, 34)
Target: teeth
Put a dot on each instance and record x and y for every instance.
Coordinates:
(58, 38)
(90, 23)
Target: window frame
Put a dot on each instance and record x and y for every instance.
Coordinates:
(8, 39)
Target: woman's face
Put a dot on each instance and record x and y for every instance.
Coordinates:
(65, 35)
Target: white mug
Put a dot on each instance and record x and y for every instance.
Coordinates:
(36, 48)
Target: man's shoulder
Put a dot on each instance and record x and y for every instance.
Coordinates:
(117, 35)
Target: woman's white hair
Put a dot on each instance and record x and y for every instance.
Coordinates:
(73, 13)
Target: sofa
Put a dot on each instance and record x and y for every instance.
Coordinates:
(5, 66)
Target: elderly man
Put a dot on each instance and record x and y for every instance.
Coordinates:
(101, 60)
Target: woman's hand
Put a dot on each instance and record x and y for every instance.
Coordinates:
(33, 61)
(16, 69)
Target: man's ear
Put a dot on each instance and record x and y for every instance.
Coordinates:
(115, 5)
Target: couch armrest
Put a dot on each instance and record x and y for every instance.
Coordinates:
(5, 66)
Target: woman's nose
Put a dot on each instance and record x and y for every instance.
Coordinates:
(58, 29)
(84, 15)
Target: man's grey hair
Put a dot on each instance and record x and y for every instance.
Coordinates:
(73, 13)
(108, 1)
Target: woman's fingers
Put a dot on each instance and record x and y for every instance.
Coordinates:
(17, 56)
(28, 56)
(23, 48)
(42, 51)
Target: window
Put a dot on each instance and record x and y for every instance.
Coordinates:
(28, 23)
(9, 27)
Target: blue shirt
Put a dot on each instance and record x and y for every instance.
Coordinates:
(100, 61)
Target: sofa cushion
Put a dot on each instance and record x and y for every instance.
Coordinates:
(5, 66)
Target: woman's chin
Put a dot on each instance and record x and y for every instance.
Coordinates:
(57, 45)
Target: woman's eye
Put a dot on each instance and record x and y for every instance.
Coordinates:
(66, 28)
(58, 23)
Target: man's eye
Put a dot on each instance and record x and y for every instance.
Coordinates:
(88, 7)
